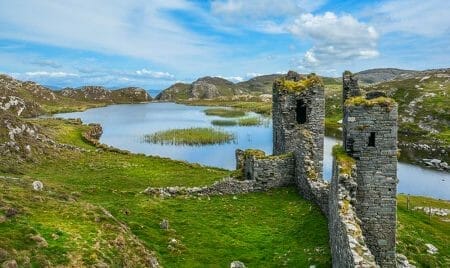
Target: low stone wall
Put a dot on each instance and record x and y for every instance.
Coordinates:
(267, 171)
(348, 247)
(93, 134)
(222, 187)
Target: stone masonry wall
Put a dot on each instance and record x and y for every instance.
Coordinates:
(268, 171)
(347, 243)
(370, 137)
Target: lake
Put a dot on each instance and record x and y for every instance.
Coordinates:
(125, 125)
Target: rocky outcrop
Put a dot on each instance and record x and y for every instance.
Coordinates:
(203, 88)
(104, 95)
(130, 95)
(29, 99)
(381, 75)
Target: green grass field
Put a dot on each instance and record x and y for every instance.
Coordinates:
(272, 229)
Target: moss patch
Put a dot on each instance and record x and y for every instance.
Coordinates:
(284, 84)
(345, 162)
(362, 101)
(255, 153)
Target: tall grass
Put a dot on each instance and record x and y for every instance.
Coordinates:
(224, 123)
(250, 121)
(190, 136)
(224, 112)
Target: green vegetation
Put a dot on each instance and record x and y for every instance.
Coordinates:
(255, 153)
(246, 122)
(250, 121)
(92, 211)
(344, 161)
(415, 229)
(190, 136)
(224, 112)
(224, 123)
(297, 86)
(362, 101)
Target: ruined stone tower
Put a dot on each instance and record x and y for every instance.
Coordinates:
(298, 127)
(370, 137)
(350, 87)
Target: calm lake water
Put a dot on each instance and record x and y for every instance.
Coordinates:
(125, 125)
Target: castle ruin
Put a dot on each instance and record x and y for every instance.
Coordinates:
(360, 200)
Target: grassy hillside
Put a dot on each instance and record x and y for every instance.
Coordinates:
(35, 99)
(92, 211)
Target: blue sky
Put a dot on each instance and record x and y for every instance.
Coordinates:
(154, 43)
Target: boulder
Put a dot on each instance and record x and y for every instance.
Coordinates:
(10, 264)
(164, 224)
(237, 264)
(38, 185)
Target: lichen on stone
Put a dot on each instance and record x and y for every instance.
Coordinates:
(255, 153)
(344, 161)
(288, 85)
(361, 101)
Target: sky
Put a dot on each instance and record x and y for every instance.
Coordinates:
(155, 43)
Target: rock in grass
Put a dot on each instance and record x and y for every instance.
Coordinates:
(10, 264)
(38, 185)
(3, 254)
(431, 249)
(40, 241)
(11, 212)
(237, 264)
(164, 224)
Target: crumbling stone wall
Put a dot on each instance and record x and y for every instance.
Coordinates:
(350, 87)
(361, 200)
(268, 171)
(348, 247)
(370, 137)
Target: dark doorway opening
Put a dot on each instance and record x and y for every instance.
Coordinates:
(372, 139)
(301, 112)
(249, 176)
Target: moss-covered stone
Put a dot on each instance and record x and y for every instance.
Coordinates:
(361, 101)
(344, 161)
(284, 84)
(255, 153)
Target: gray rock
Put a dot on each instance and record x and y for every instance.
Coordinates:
(237, 264)
(164, 224)
(431, 249)
(40, 241)
(38, 185)
(10, 264)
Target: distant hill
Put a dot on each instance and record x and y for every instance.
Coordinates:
(381, 75)
(203, 88)
(215, 87)
(29, 99)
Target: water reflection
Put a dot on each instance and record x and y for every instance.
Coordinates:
(125, 125)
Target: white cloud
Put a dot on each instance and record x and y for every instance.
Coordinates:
(428, 18)
(153, 74)
(262, 9)
(46, 63)
(334, 38)
(267, 16)
(50, 74)
(138, 28)
(234, 79)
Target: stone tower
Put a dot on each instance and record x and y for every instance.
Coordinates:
(370, 137)
(298, 125)
(350, 86)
